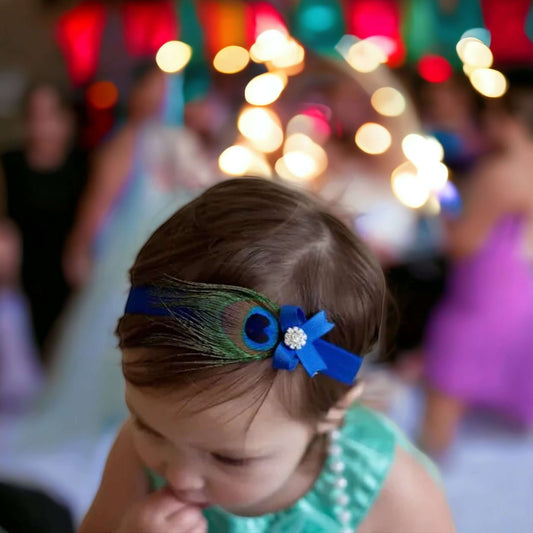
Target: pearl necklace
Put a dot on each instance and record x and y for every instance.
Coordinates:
(341, 499)
(340, 483)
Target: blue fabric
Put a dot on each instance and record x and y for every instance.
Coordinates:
(317, 355)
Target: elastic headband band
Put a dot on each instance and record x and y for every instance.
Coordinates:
(210, 314)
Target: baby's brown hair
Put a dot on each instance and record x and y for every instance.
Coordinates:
(277, 241)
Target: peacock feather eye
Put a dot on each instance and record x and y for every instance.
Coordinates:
(261, 329)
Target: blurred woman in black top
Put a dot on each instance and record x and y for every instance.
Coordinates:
(43, 184)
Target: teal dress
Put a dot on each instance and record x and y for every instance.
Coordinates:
(368, 442)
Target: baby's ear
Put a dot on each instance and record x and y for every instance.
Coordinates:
(334, 418)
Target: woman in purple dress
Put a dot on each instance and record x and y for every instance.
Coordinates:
(479, 343)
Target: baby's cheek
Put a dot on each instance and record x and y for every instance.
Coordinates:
(237, 492)
(150, 454)
(246, 488)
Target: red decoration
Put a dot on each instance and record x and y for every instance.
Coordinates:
(79, 35)
(367, 18)
(320, 121)
(102, 94)
(99, 124)
(434, 68)
(230, 22)
(223, 24)
(264, 17)
(506, 23)
(148, 25)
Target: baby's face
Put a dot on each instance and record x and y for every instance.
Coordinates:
(222, 455)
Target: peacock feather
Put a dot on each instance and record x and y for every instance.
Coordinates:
(231, 324)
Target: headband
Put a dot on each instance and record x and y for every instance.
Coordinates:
(234, 324)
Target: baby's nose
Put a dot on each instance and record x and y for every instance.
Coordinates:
(184, 477)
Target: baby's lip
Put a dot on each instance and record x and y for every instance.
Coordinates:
(204, 505)
(201, 505)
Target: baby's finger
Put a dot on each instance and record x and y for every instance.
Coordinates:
(186, 520)
(162, 504)
(200, 529)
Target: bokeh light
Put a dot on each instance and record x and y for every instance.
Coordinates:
(373, 138)
(312, 123)
(304, 158)
(259, 166)
(386, 44)
(231, 59)
(468, 69)
(292, 58)
(388, 101)
(434, 149)
(365, 56)
(450, 200)
(235, 160)
(265, 88)
(481, 34)
(435, 175)
(269, 45)
(434, 68)
(407, 167)
(301, 124)
(262, 127)
(462, 45)
(432, 206)
(477, 54)
(413, 146)
(282, 171)
(102, 94)
(489, 82)
(301, 164)
(173, 56)
(409, 188)
(239, 160)
(422, 151)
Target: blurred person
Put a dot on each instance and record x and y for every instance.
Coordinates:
(150, 166)
(151, 169)
(43, 182)
(450, 111)
(479, 342)
(20, 370)
(113, 166)
(143, 141)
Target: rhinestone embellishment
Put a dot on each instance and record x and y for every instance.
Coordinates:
(295, 338)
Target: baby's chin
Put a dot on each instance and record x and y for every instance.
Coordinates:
(241, 508)
(260, 505)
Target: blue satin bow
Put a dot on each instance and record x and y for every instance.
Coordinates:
(317, 355)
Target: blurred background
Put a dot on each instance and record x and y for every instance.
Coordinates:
(413, 117)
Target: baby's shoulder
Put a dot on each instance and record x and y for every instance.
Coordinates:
(372, 431)
(397, 488)
(410, 500)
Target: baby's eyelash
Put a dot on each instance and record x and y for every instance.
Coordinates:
(231, 461)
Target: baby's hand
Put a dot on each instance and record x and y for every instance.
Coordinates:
(161, 512)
